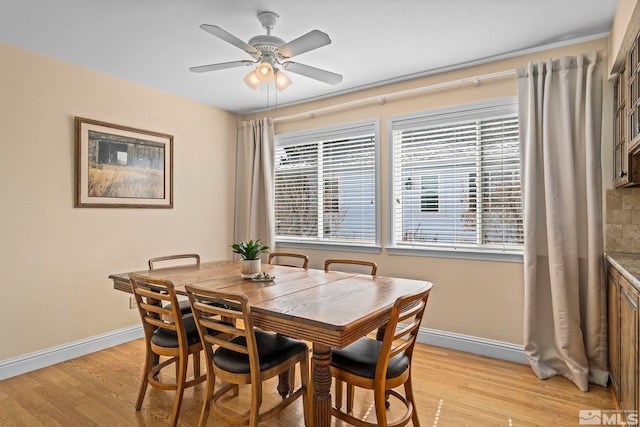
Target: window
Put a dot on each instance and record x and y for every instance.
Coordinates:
(456, 179)
(326, 186)
(429, 193)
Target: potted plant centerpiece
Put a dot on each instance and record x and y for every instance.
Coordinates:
(250, 252)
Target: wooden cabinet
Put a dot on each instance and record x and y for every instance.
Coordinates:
(624, 359)
(621, 173)
(613, 297)
(628, 397)
(626, 120)
(632, 71)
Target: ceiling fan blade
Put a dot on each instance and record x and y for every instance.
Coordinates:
(312, 40)
(312, 72)
(230, 38)
(220, 66)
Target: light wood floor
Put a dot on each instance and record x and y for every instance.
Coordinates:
(452, 389)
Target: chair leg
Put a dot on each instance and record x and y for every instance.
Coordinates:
(350, 397)
(180, 383)
(292, 379)
(338, 402)
(150, 357)
(206, 404)
(196, 365)
(306, 396)
(256, 402)
(408, 392)
(156, 361)
(381, 410)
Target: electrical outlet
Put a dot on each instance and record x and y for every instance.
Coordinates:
(132, 303)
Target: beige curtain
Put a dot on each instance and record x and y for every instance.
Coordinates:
(254, 212)
(560, 108)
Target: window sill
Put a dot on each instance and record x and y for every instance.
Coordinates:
(462, 253)
(329, 246)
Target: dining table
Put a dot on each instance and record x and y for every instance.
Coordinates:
(329, 309)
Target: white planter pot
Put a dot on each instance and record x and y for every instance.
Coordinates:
(250, 267)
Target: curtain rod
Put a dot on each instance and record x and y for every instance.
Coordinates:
(383, 98)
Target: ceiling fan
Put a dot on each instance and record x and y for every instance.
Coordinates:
(271, 54)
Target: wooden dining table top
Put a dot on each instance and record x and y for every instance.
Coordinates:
(332, 308)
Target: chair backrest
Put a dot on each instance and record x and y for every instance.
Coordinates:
(402, 329)
(150, 294)
(196, 257)
(355, 262)
(279, 258)
(229, 306)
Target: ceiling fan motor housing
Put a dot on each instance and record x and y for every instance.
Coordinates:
(266, 43)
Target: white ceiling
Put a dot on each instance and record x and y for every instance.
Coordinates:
(154, 42)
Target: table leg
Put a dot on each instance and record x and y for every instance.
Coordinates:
(321, 385)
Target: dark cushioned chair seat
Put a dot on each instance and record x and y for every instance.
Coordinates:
(169, 339)
(272, 350)
(361, 357)
(185, 307)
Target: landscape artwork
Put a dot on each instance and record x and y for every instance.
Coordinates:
(118, 166)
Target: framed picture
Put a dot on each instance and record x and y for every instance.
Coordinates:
(122, 167)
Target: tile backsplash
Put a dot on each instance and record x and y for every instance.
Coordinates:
(623, 220)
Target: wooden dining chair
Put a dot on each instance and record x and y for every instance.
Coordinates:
(185, 308)
(171, 258)
(284, 258)
(382, 366)
(354, 262)
(176, 339)
(289, 259)
(243, 355)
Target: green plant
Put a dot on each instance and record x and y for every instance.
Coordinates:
(251, 249)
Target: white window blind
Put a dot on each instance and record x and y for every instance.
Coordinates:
(325, 186)
(456, 179)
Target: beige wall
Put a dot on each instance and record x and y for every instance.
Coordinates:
(478, 298)
(54, 258)
(626, 23)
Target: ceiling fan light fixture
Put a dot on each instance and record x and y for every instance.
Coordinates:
(264, 72)
(252, 80)
(282, 80)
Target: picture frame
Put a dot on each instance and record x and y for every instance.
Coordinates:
(122, 167)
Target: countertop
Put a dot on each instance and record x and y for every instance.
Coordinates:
(627, 264)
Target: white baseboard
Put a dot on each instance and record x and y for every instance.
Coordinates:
(482, 346)
(41, 359)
